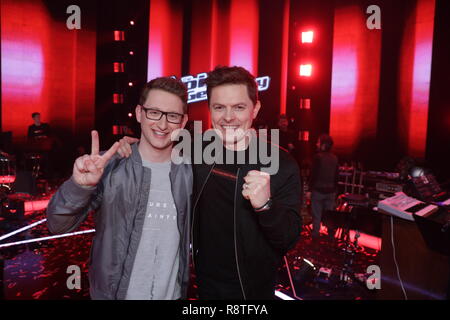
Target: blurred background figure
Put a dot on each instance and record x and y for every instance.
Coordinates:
(324, 178)
(38, 129)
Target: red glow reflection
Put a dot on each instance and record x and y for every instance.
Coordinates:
(244, 22)
(355, 80)
(415, 78)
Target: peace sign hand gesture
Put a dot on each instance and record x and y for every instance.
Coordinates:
(88, 169)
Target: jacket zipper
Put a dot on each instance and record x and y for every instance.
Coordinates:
(193, 214)
(235, 242)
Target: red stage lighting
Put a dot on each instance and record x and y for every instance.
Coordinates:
(7, 179)
(131, 53)
(305, 70)
(130, 84)
(130, 115)
(35, 205)
(119, 35)
(307, 37)
(303, 135)
(117, 98)
(305, 103)
(118, 67)
(132, 22)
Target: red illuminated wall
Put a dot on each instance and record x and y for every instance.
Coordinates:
(355, 79)
(165, 39)
(45, 68)
(210, 46)
(414, 81)
(356, 76)
(244, 27)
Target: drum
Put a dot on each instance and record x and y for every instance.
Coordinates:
(33, 163)
(7, 170)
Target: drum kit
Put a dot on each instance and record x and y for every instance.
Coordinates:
(7, 172)
(32, 162)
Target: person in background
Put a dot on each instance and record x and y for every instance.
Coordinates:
(287, 137)
(323, 183)
(38, 129)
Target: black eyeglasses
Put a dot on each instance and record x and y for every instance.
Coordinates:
(156, 115)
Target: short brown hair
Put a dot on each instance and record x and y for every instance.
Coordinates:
(168, 84)
(232, 75)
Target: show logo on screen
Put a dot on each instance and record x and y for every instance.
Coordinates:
(197, 88)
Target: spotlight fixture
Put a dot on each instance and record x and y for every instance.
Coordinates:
(305, 70)
(118, 67)
(307, 37)
(118, 98)
(119, 35)
(303, 135)
(305, 103)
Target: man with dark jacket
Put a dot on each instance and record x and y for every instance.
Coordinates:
(245, 215)
(244, 220)
(324, 181)
(141, 247)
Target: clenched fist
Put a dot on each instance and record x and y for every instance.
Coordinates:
(88, 169)
(256, 188)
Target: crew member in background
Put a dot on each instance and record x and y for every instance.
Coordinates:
(323, 183)
(287, 137)
(38, 129)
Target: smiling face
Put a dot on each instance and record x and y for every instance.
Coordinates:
(232, 112)
(156, 134)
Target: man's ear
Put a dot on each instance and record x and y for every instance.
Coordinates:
(138, 111)
(256, 109)
(185, 120)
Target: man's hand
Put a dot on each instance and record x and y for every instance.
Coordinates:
(256, 188)
(88, 169)
(125, 143)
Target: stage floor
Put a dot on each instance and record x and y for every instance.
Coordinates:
(39, 270)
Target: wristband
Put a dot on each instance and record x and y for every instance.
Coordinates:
(265, 207)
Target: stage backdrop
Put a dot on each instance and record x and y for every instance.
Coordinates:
(46, 67)
(370, 89)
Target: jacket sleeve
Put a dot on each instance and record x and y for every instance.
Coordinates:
(70, 206)
(281, 224)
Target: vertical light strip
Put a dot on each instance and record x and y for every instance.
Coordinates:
(355, 80)
(418, 116)
(244, 34)
(155, 50)
(284, 56)
(344, 81)
(165, 39)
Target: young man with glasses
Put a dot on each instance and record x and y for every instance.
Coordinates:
(141, 246)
